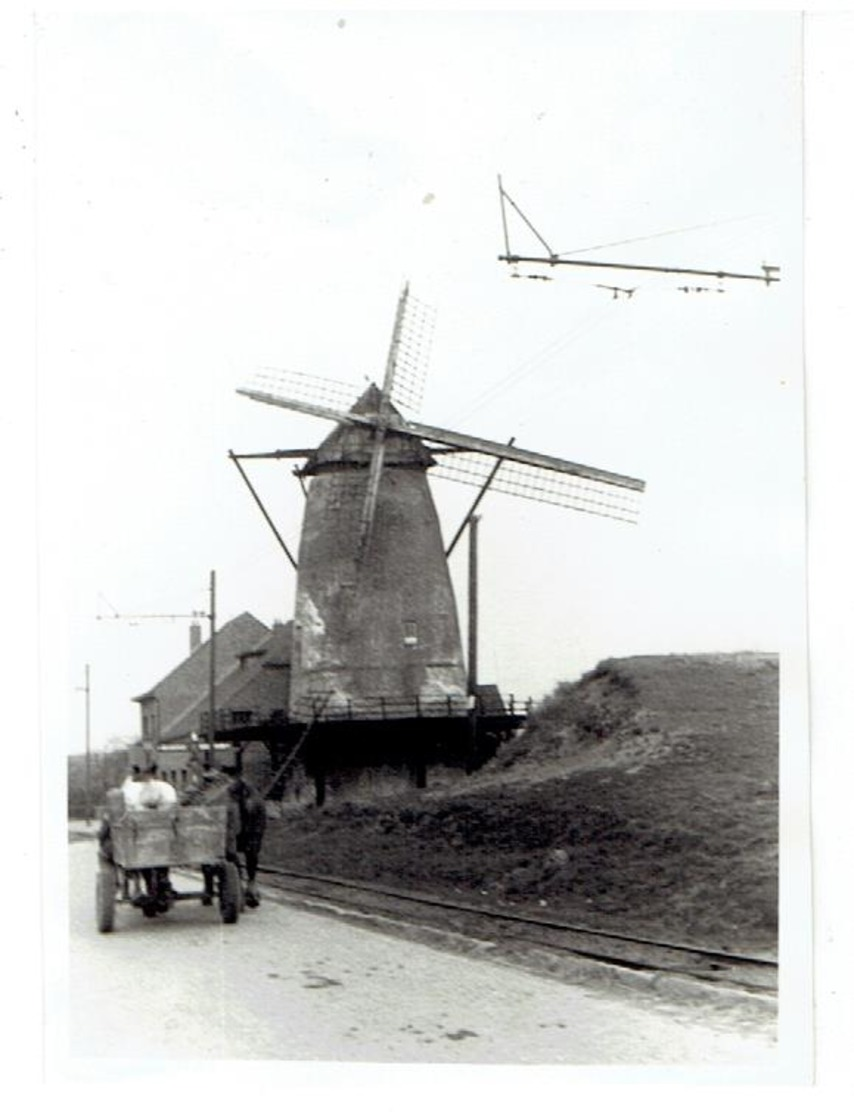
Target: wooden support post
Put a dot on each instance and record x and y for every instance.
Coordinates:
(469, 516)
(420, 771)
(236, 461)
(418, 763)
(473, 605)
(320, 787)
(473, 739)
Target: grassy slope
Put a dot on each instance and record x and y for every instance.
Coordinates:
(642, 798)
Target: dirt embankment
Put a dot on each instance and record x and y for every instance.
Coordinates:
(642, 798)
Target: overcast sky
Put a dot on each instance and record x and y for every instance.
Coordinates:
(218, 194)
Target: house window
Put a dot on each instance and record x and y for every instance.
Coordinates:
(149, 722)
(410, 634)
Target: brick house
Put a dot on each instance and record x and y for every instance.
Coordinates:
(252, 685)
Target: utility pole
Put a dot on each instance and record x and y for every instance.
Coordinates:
(473, 523)
(210, 763)
(86, 691)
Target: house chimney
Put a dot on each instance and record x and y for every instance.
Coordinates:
(195, 636)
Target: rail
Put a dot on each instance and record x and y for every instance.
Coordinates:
(509, 928)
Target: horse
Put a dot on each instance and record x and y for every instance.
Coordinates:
(246, 823)
(248, 806)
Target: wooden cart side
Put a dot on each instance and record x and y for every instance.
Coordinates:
(174, 836)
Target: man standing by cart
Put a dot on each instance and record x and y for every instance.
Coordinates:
(247, 823)
(154, 792)
(142, 790)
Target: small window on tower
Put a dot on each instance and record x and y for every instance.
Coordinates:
(410, 633)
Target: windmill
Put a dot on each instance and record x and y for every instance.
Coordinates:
(377, 653)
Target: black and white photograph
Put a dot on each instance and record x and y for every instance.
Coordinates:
(422, 542)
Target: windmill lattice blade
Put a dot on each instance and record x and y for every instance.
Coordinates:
(303, 387)
(511, 452)
(325, 411)
(539, 485)
(412, 355)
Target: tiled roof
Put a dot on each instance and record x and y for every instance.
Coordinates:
(259, 682)
(182, 685)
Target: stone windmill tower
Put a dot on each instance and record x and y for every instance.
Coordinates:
(377, 652)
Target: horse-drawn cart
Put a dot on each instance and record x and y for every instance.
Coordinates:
(142, 846)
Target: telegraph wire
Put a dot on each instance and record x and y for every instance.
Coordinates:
(654, 235)
(533, 362)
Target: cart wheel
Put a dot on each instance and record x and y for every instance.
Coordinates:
(105, 898)
(229, 892)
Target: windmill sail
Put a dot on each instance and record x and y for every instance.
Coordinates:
(403, 386)
(412, 353)
(539, 484)
(382, 405)
(524, 473)
(281, 382)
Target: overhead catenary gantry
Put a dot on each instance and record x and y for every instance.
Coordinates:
(769, 274)
(210, 615)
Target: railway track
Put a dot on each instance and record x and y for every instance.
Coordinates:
(516, 931)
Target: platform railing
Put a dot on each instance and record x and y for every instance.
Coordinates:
(322, 708)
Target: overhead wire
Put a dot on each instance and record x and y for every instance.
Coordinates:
(655, 235)
(533, 362)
